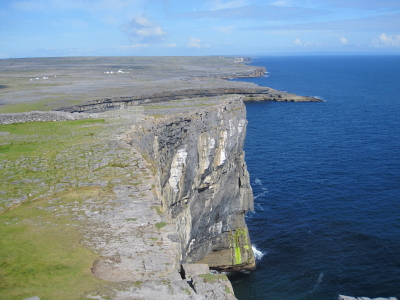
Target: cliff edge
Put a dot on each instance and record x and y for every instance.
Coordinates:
(203, 182)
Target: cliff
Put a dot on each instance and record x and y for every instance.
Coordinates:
(137, 196)
(203, 182)
(139, 203)
(252, 93)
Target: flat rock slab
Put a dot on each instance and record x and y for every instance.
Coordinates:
(190, 270)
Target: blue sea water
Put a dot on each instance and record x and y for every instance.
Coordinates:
(326, 180)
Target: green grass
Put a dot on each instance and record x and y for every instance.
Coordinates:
(119, 165)
(158, 210)
(161, 225)
(211, 278)
(42, 105)
(238, 256)
(40, 250)
(228, 290)
(138, 284)
(46, 127)
(40, 255)
(34, 151)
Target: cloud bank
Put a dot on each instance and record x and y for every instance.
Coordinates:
(141, 29)
(196, 43)
(384, 40)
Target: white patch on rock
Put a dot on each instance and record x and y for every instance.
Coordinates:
(191, 244)
(222, 145)
(232, 129)
(206, 145)
(242, 122)
(177, 165)
(211, 143)
(216, 228)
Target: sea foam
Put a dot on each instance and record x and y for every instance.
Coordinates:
(257, 253)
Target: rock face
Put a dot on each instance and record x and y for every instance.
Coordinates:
(203, 182)
(252, 94)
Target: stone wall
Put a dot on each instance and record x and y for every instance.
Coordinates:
(203, 182)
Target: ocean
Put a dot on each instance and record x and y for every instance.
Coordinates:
(326, 180)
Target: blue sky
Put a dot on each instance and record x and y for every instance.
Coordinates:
(41, 28)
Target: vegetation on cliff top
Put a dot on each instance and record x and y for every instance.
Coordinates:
(40, 251)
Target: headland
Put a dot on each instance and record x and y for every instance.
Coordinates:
(136, 186)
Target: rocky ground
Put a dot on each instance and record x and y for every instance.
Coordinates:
(49, 83)
(105, 189)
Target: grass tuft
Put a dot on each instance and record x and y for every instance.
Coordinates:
(161, 225)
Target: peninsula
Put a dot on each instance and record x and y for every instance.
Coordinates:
(136, 185)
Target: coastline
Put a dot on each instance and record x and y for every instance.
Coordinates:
(157, 173)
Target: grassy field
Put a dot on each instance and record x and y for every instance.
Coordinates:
(31, 157)
(40, 249)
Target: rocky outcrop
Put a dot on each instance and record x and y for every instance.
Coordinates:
(268, 94)
(203, 182)
(251, 93)
(258, 72)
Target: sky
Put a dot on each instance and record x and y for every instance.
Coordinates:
(48, 28)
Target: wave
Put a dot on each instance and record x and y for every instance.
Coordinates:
(258, 206)
(319, 281)
(257, 253)
(265, 191)
(319, 97)
(257, 181)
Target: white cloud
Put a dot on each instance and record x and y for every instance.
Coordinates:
(384, 40)
(225, 29)
(170, 45)
(142, 21)
(140, 28)
(297, 42)
(343, 41)
(195, 43)
(135, 46)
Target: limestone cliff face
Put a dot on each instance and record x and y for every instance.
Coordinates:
(204, 183)
(252, 93)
